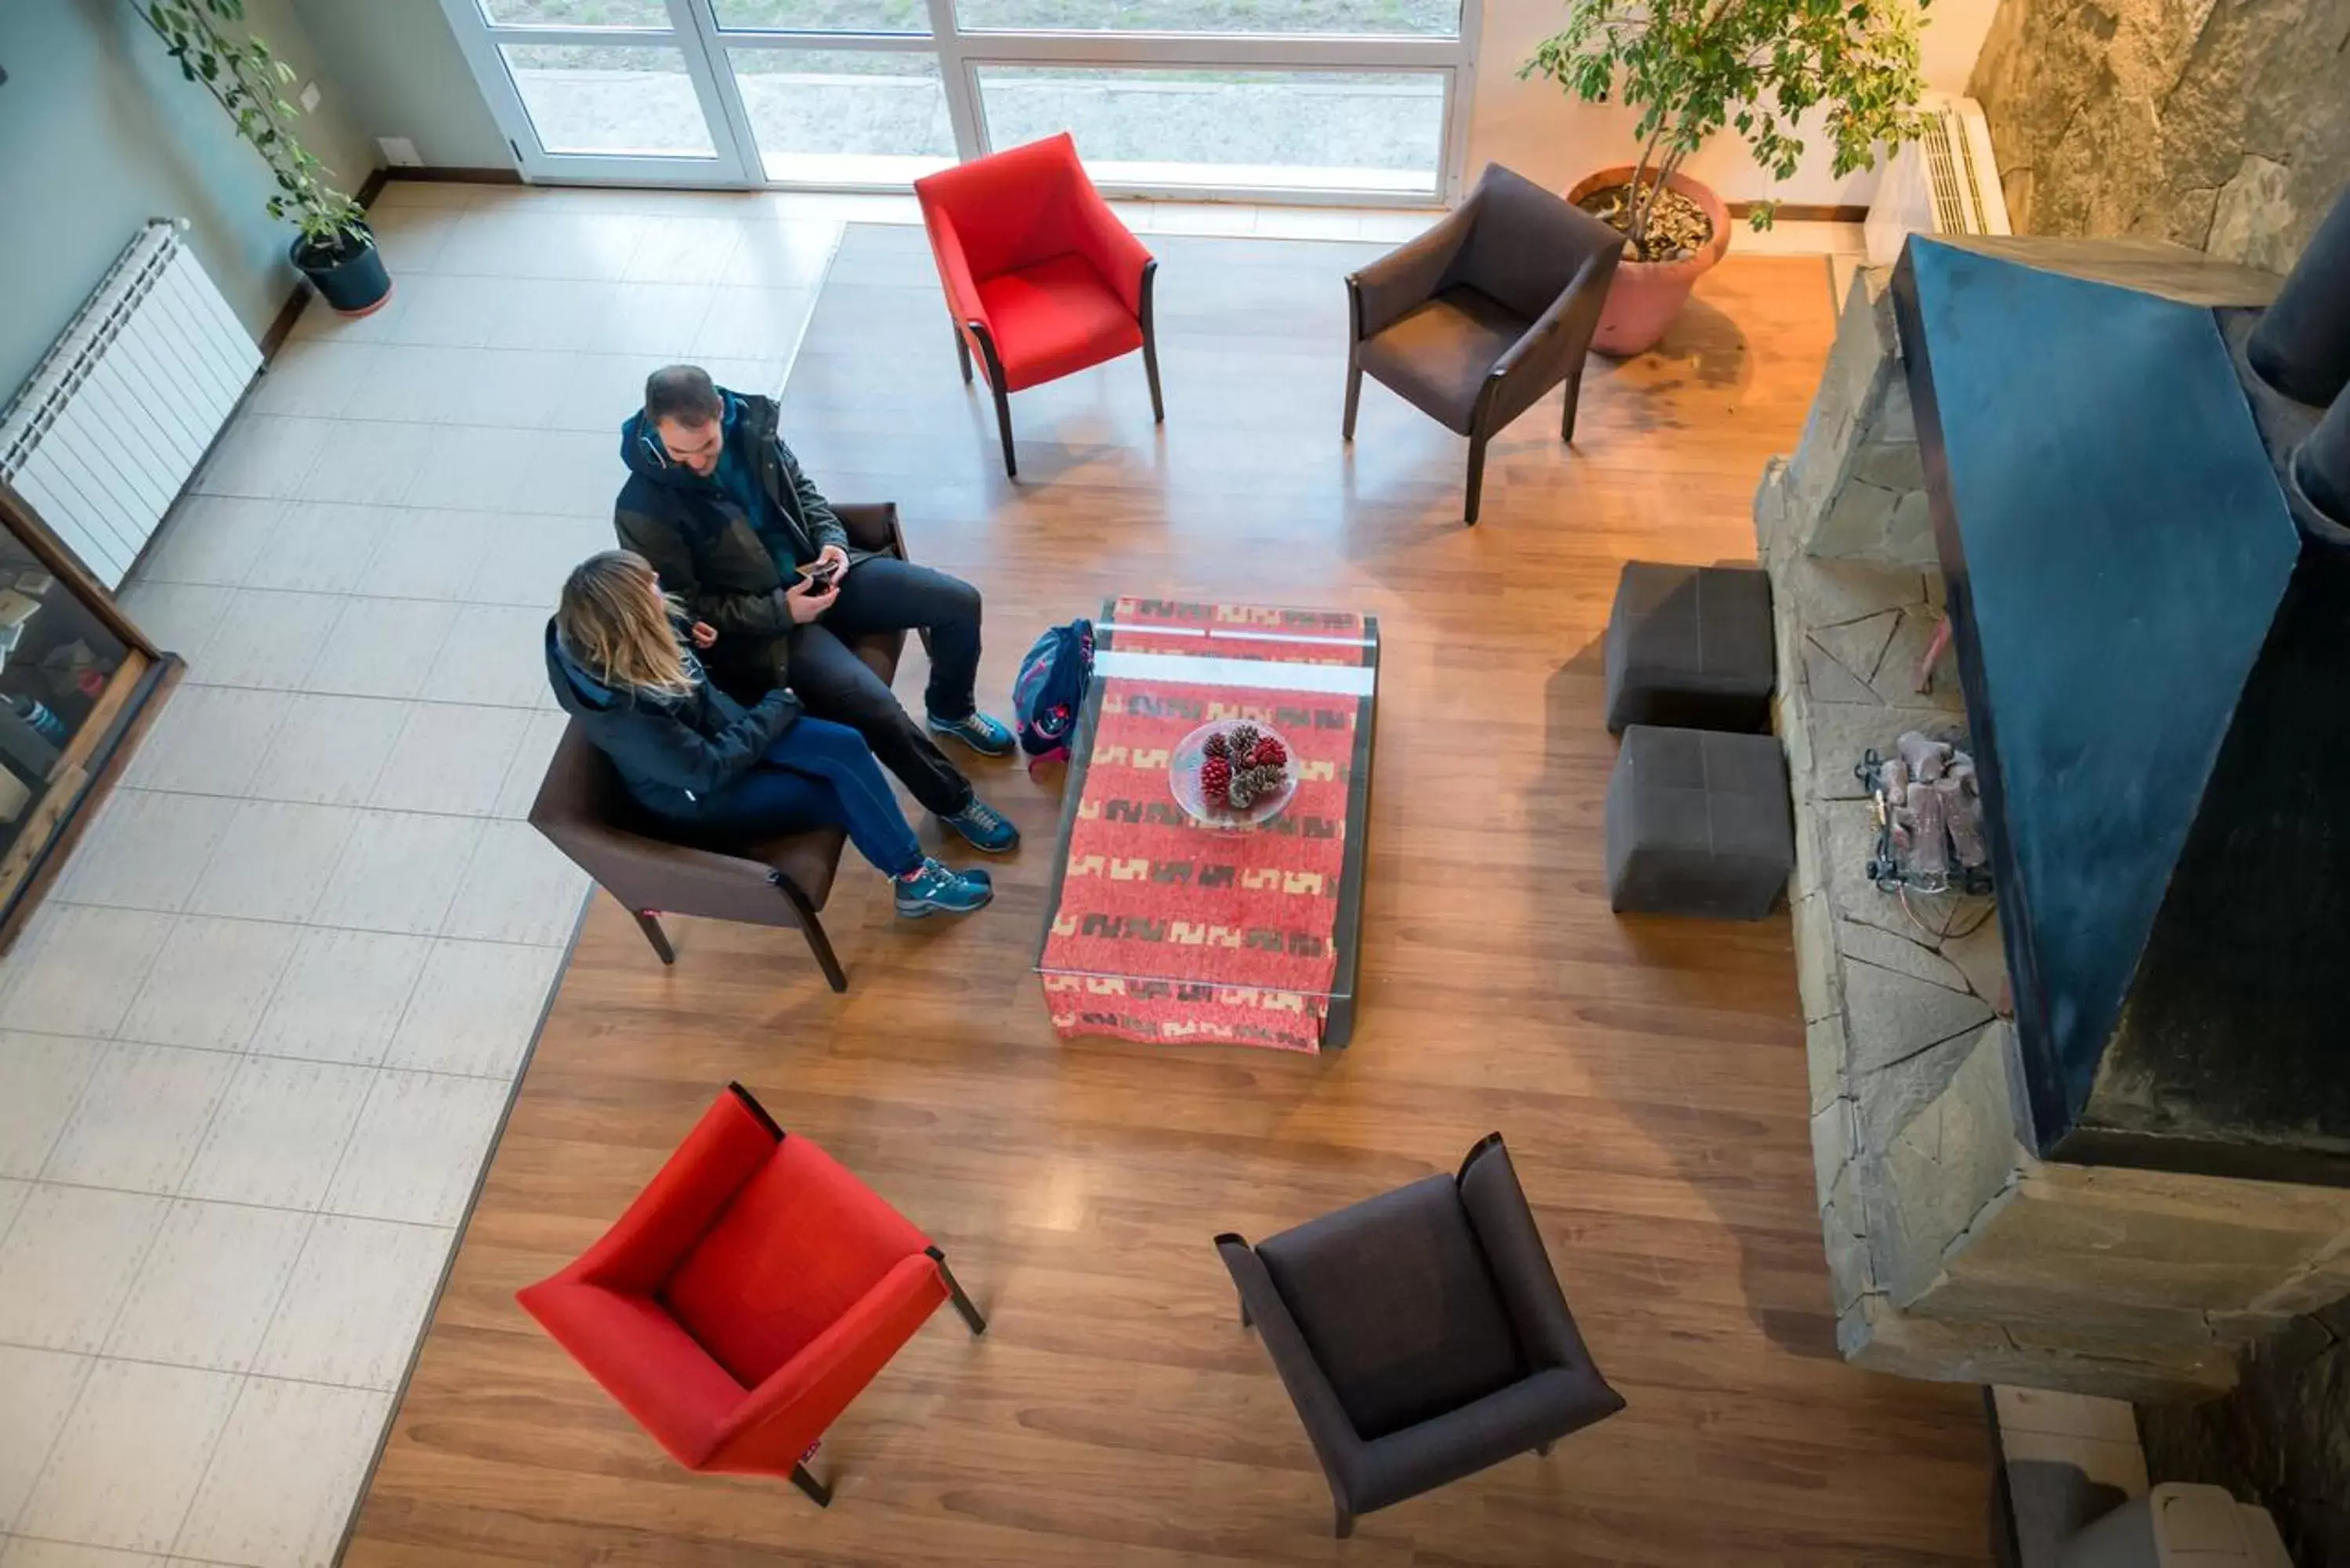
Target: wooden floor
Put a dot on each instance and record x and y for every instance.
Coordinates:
(1648, 1074)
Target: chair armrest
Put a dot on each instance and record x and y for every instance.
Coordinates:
(1515, 1256)
(1343, 1453)
(871, 527)
(726, 1147)
(954, 269)
(1105, 240)
(794, 1404)
(1563, 332)
(1481, 1434)
(1410, 273)
(643, 1358)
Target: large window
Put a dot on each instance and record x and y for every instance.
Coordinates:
(1352, 100)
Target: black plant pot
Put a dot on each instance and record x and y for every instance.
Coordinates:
(351, 278)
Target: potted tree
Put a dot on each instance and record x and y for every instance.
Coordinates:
(1692, 67)
(334, 248)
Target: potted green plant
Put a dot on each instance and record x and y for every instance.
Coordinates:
(1690, 67)
(333, 249)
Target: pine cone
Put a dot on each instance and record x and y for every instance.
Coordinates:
(1215, 745)
(1242, 739)
(1242, 793)
(1215, 777)
(1270, 753)
(1264, 780)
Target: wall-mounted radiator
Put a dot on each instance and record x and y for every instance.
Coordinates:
(124, 405)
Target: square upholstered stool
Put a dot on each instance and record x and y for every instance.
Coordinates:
(1698, 824)
(1690, 645)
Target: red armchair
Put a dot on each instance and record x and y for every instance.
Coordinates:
(1040, 277)
(746, 1296)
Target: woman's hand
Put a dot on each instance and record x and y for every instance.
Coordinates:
(806, 601)
(704, 635)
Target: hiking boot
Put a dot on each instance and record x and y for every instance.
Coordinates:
(988, 737)
(984, 827)
(933, 890)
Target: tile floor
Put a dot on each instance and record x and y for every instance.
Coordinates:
(255, 1046)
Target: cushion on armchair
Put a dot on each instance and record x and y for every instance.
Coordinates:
(801, 1242)
(1394, 1301)
(1437, 354)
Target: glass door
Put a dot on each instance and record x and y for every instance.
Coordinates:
(839, 93)
(1294, 99)
(601, 89)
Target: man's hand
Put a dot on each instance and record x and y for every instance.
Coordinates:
(704, 635)
(830, 562)
(806, 601)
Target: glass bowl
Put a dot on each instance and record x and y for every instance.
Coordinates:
(1183, 781)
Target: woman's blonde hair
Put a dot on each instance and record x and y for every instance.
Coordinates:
(612, 620)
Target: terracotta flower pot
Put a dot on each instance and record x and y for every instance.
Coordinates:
(1646, 296)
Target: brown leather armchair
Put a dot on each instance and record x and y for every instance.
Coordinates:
(1474, 320)
(583, 810)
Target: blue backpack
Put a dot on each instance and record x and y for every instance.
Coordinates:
(1050, 692)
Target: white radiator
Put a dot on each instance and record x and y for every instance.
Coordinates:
(123, 406)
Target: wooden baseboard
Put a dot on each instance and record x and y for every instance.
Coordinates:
(456, 176)
(1805, 212)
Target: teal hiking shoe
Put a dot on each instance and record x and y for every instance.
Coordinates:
(988, 737)
(933, 890)
(984, 827)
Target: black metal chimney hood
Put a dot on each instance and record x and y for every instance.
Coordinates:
(2152, 625)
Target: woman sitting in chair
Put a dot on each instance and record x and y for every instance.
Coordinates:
(617, 655)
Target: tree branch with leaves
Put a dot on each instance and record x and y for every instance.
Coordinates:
(246, 80)
(1693, 66)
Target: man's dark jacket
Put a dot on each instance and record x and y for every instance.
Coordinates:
(709, 553)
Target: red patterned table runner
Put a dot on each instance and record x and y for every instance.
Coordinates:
(1164, 928)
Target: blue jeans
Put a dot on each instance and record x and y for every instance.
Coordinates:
(818, 774)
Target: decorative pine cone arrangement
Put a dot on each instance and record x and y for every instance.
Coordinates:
(1241, 765)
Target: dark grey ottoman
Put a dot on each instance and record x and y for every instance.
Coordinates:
(1690, 645)
(1698, 824)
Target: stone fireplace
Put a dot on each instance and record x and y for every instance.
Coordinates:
(2086, 1140)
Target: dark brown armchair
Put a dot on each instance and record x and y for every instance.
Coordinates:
(1474, 320)
(1421, 1334)
(583, 810)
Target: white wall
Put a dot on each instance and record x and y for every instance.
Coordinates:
(1534, 127)
(98, 133)
(405, 76)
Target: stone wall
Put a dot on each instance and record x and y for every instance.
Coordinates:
(1855, 481)
(1954, 1252)
(2222, 124)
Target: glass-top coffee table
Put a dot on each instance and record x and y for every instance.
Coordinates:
(1166, 929)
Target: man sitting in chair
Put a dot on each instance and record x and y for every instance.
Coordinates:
(717, 502)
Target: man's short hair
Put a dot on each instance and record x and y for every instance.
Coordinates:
(684, 393)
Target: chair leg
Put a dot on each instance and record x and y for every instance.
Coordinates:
(1346, 1522)
(821, 945)
(818, 1493)
(1354, 389)
(1246, 1321)
(1574, 396)
(962, 352)
(1476, 477)
(812, 929)
(956, 1293)
(650, 923)
(1004, 430)
(1149, 317)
